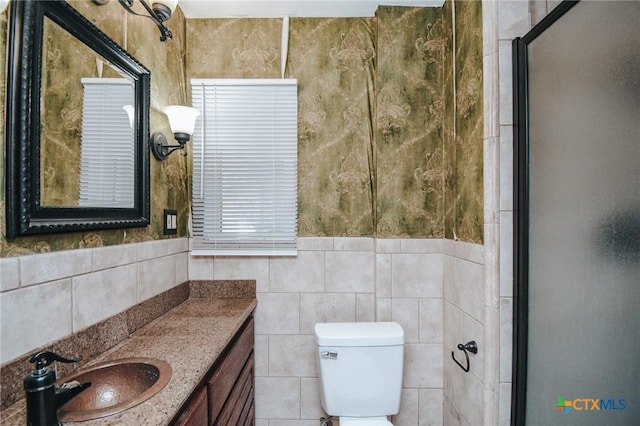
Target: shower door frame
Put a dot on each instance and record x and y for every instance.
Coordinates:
(521, 210)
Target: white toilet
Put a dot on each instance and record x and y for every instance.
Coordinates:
(360, 371)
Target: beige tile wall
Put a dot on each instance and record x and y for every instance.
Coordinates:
(464, 320)
(349, 279)
(49, 296)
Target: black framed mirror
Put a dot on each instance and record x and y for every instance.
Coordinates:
(66, 145)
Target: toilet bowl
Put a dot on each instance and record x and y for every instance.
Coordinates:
(360, 371)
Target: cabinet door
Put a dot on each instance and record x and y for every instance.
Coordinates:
(224, 379)
(196, 412)
(239, 399)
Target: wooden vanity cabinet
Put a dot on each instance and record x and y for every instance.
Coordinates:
(227, 395)
(196, 411)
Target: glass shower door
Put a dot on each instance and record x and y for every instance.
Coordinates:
(583, 207)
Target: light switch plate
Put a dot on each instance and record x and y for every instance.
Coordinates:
(170, 222)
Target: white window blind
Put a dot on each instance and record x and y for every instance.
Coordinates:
(245, 160)
(107, 147)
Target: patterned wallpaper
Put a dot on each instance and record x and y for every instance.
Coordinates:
(466, 206)
(170, 187)
(334, 63)
(383, 150)
(411, 102)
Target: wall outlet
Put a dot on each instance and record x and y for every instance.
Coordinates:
(170, 222)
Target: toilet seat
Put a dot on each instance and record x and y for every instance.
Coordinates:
(364, 421)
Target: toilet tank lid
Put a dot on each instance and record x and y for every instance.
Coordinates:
(359, 334)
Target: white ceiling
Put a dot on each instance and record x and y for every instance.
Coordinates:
(297, 8)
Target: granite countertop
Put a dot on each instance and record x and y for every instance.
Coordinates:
(190, 337)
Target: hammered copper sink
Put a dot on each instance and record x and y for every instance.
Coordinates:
(115, 386)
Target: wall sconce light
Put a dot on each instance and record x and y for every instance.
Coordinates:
(182, 121)
(158, 12)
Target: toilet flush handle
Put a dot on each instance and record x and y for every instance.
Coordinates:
(329, 354)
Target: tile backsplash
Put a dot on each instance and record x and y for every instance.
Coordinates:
(48, 296)
(95, 340)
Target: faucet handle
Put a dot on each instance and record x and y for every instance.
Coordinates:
(44, 359)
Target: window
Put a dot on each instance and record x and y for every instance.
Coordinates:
(245, 167)
(107, 154)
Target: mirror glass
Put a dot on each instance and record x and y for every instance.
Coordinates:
(86, 139)
(77, 125)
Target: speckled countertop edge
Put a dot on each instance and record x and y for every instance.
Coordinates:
(190, 337)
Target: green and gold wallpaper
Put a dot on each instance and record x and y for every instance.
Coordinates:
(411, 102)
(334, 63)
(389, 116)
(465, 208)
(385, 146)
(336, 151)
(63, 110)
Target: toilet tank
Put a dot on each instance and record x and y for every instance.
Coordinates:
(360, 367)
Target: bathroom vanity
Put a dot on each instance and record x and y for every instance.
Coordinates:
(208, 341)
(226, 396)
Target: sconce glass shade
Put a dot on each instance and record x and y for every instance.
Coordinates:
(169, 4)
(182, 119)
(129, 110)
(163, 9)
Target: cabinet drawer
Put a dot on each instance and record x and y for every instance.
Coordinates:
(228, 371)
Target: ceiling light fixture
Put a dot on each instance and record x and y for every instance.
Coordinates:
(158, 12)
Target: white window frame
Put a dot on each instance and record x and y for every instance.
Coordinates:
(245, 167)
